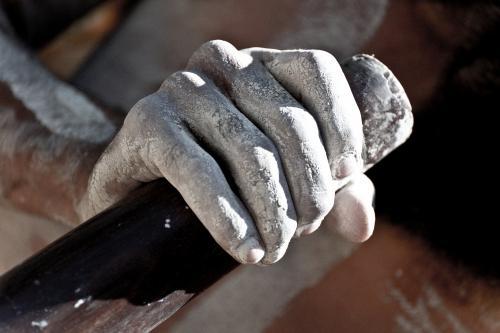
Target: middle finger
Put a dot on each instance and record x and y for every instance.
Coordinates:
(289, 125)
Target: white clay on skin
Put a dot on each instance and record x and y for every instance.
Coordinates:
(270, 142)
(56, 105)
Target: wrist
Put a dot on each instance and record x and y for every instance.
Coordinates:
(50, 182)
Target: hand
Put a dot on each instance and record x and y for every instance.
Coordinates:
(257, 142)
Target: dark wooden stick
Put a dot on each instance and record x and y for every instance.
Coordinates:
(127, 270)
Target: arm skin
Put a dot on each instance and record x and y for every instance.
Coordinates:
(32, 143)
(50, 137)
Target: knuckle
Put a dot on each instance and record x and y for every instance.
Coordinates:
(261, 157)
(143, 111)
(299, 121)
(316, 57)
(217, 46)
(212, 51)
(172, 81)
(134, 117)
(201, 164)
(319, 59)
(183, 84)
(148, 127)
(218, 57)
(180, 164)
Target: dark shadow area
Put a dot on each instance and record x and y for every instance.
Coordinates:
(443, 183)
(128, 252)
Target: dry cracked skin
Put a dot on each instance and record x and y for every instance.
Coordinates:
(257, 141)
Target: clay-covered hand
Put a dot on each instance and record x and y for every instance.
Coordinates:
(256, 141)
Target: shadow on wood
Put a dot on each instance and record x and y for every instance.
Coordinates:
(129, 253)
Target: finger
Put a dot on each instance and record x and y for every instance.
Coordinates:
(251, 157)
(353, 216)
(291, 128)
(316, 79)
(169, 150)
(112, 178)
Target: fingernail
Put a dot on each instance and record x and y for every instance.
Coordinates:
(307, 229)
(250, 252)
(346, 166)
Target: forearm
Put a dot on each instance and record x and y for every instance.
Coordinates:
(50, 137)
